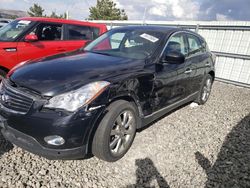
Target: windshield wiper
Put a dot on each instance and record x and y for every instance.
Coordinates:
(102, 53)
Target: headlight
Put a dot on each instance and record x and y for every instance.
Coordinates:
(73, 100)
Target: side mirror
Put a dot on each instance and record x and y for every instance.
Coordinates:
(174, 58)
(31, 38)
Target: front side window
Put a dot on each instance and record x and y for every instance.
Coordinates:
(177, 44)
(194, 44)
(128, 43)
(11, 31)
(77, 32)
(48, 32)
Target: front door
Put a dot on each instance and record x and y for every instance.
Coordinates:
(169, 87)
(50, 42)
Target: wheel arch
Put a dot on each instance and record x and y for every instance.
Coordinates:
(212, 73)
(135, 89)
(4, 69)
(124, 97)
(130, 97)
(128, 90)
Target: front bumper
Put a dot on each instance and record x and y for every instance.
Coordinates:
(30, 144)
(28, 132)
(26, 123)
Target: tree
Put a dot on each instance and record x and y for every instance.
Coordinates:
(106, 10)
(54, 15)
(13, 17)
(36, 11)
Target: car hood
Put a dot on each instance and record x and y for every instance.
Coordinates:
(64, 72)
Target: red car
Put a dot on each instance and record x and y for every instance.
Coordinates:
(31, 38)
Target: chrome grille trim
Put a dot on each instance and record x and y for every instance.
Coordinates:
(13, 100)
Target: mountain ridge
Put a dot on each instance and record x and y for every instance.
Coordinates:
(6, 13)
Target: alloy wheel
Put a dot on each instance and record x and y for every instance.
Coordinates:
(206, 89)
(122, 133)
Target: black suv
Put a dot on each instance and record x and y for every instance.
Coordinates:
(93, 100)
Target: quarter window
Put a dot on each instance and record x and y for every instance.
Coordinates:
(194, 44)
(204, 45)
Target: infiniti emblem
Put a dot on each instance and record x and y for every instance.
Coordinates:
(5, 98)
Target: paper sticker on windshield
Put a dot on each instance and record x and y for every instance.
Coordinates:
(149, 37)
(25, 22)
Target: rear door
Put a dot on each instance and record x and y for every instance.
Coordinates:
(50, 42)
(77, 36)
(194, 63)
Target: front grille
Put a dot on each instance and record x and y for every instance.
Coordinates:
(14, 100)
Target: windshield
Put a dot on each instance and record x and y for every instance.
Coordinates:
(11, 31)
(128, 43)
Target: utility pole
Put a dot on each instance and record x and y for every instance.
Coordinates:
(144, 16)
(67, 14)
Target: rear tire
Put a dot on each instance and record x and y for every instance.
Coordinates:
(205, 90)
(116, 131)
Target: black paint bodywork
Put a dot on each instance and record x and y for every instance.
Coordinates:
(154, 87)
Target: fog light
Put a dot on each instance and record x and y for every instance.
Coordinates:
(54, 140)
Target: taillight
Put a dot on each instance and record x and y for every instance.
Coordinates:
(214, 57)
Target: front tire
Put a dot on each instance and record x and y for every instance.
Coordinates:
(116, 131)
(205, 90)
(3, 73)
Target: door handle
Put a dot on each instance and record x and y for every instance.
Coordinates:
(188, 71)
(10, 49)
(207, 64)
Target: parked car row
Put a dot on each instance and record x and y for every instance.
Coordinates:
(32, 38)
(94, 99)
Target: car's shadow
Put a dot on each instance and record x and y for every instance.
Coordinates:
(5, 145)
(146, 174)
(232, 167)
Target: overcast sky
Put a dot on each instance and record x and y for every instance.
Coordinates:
(155, 9)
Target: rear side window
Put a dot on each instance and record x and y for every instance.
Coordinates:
(77, 32)
(195, 45)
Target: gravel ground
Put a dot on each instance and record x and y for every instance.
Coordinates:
(204, 146)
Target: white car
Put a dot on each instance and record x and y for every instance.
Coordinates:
(4, 21)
